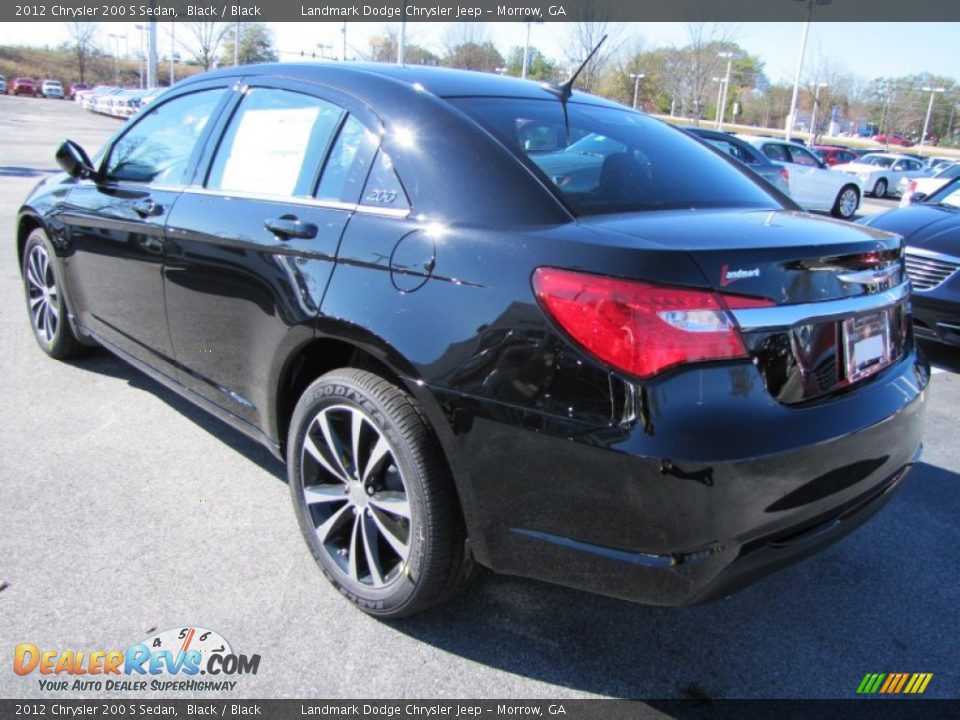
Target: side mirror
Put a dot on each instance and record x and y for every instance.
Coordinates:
(74, 160)
(917, 197)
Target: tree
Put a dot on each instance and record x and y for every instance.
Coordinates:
(256, 45)
(82, 35)
(205, 39)
(539, 67)
(475, 56)
(591, 22)
(384, 49)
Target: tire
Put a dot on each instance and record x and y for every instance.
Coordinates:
(880, 189)
(847, 202)
(393, 541)
(45, 304)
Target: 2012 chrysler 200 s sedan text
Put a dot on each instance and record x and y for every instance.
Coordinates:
(638, 370)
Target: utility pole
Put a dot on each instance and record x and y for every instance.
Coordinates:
(152, 52)
(116, 57)
(791, 118)
(143, 77)
(816, 107)
(726, 84)
(926, 123)
(637, 77)
(402, 45)
(173, 51)
(236, 44)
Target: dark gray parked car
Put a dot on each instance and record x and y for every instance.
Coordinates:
(750, 156)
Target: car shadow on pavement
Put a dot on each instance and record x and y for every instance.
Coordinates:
(811, 630)
(103, 363)
(23, 172)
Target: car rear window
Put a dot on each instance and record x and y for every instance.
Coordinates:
(605, 160)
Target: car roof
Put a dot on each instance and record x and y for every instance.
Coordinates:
(368, 78)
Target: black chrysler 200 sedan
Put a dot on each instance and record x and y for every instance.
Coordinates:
(632, 369)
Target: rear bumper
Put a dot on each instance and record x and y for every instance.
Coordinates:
(706, 492)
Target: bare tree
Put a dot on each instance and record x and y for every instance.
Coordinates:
(464, 33)
(590, 22)
(703, 62)
(204, 40)
(82, 42)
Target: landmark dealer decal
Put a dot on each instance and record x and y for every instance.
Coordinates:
(184, 659)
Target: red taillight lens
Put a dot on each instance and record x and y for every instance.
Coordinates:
(912, 188)
(785, 175)
(638, 327)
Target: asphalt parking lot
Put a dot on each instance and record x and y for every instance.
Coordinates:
(125, 510)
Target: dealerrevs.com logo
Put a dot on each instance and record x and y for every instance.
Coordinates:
(173, 660)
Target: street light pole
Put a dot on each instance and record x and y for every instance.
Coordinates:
(236, 44)
(116, 57)
(637, 77)
(926, 123)
(816, 106)
(343, 32)
(173, 50)
(726, 85)
(803, 48)
(719, 82)
(140, 30)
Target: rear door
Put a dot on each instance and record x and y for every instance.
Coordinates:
(252, 245)
(115, 225)
(820, 184)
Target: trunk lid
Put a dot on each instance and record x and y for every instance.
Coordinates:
(785, 256)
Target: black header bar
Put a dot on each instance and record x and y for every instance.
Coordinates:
(483, 10)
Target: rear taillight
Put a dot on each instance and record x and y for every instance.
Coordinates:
(912, 187)
(785, 175)
(642, 328)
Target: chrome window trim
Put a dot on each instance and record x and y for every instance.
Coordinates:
(300, 200)
(785, 316)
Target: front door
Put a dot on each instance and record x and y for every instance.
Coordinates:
(115, 226)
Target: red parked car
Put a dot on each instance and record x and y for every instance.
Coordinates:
(834, 155)
(23, 86)
(893, 140)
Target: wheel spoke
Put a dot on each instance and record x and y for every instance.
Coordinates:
(315, 453)
(314, 494)
(379, 451)
(353, 548)
(356, 426)
(33, 273)
(333, 443)
(392, 502)
(372, 552)
(323, 532)
(34, 301)
(398, 545)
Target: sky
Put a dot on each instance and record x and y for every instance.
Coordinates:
(865, 49)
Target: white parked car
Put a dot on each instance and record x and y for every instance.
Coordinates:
(881, 173)
(52, 89)
(813, 185)
(927, 185)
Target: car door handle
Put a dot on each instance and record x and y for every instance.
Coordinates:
(290, 226)
(147, 208)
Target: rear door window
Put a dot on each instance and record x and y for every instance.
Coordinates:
(799, 156)
(776, 152)
(346, 167)
(275, 144)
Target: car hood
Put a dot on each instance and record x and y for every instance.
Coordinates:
(858, 167)
(930, 227)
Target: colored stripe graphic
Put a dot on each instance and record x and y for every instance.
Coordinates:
(894, 683)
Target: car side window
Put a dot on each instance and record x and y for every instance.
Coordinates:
(383, 188)
(275, 144)
(345, 170)
(798, 156)
(733, 150)
(157, 148)
(775, 152)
